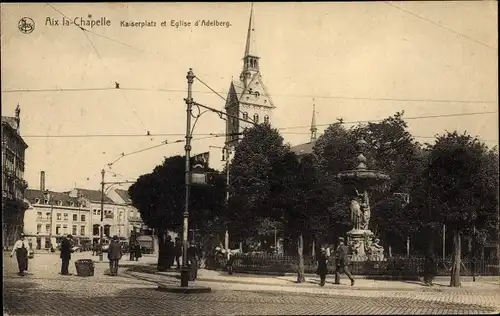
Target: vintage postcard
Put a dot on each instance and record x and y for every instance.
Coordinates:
(217, 158)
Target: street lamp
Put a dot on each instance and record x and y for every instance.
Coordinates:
(189, 114)
(103, 192)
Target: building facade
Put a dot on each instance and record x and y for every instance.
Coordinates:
(114, 218)
(13, 183)
(248, 98)
(53, 215)
(134, 220)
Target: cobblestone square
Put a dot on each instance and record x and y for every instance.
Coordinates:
(44, 292)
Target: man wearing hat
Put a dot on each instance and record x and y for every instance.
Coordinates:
(66, 254)
(114, 255)
(342, 262)
(21, 248)
(322, 266)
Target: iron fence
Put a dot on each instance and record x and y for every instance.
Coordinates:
(398, 266)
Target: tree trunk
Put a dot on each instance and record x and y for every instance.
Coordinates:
(300, 249)
(455, 269)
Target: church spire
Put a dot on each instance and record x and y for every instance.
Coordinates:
(250, 47)
(250, 60)
(313, 129)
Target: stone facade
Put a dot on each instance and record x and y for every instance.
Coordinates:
(13, 183)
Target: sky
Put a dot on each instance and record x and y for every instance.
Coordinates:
(355, 60)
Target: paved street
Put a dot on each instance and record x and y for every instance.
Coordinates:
(44, 292)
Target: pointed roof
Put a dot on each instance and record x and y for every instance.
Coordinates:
(313, 129)
(254, 94)
(123, 195)
(251, 47)
(93, 195)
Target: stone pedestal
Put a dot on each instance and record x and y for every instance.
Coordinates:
(356, 239)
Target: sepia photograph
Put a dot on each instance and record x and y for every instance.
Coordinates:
(250, 158)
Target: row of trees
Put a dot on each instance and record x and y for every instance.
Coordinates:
(452, 182)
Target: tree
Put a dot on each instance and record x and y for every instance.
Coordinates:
(252, 178)
(460, 187)
(160, 198)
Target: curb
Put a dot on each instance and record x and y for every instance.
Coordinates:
(192, 289)
(420, 288)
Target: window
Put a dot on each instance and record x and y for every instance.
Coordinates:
(82, 218)
(94, 212)
(48, 215)
(82, 230)
(58, 216)
(75, 229)
(245, 115)
(45, 201)
(266, 119)
(59, 203)
(38, 228)
(256, 118)
(257, 94)
(37, 201)
(39, 215)
(65, 216)
(95, 230)
(75, 217)
(107, 230)
(71, 203)
(65, 229)
(47, 229)
(58, 229)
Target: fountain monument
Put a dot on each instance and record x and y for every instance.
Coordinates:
(360, 238)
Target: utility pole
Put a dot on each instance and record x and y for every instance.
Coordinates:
(102, 216)
(189, 109)
(227, 157)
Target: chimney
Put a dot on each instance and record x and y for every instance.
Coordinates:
(42, 180)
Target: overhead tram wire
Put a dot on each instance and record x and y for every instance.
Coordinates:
(278, 95)
(442, 26)
(103, 62)
(404, 118)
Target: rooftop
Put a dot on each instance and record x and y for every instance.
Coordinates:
(33, 194)
(123, 195)
(303, 149)
(93, 195)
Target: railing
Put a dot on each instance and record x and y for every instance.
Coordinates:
(394, 266)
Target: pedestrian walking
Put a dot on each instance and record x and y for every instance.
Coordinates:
(169, 252)
(322, 266)
(342, 262)
(178, 252)
(430, 269)
(114, 255)
(193, 262)
(21, 249)
(137, 251)
(66, 254)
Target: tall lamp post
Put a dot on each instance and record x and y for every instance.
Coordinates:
(189, 109)
(103, 192)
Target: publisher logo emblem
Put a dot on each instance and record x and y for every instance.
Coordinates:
(26, 25)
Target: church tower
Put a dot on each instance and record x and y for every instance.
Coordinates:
(248, 97)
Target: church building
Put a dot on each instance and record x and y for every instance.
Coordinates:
(248, 97)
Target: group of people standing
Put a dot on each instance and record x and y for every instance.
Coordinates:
(341, 263)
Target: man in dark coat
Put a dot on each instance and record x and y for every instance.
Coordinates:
(430, 269)
(193, 262)
(342, 262)
(114, 255)
(65, 254)
(169, 252)
(178, 252)
(322, 266)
